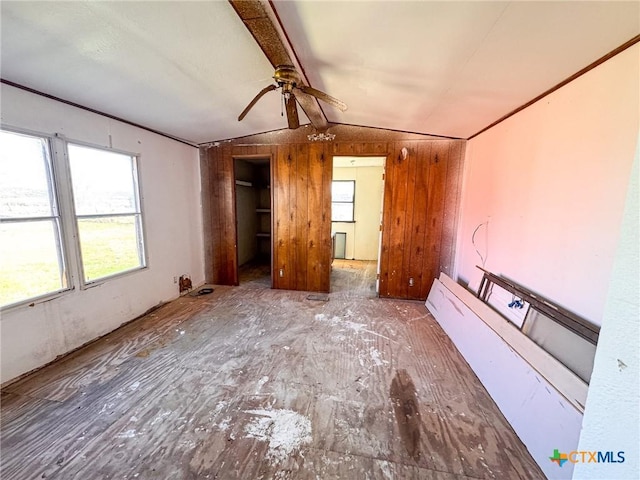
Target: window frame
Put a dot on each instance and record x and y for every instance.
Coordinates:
(55, 184)
(352, 202)
(68, 239)
(139, 216)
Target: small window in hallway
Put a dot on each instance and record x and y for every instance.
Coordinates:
(342, 200)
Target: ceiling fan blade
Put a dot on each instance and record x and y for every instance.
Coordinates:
(340, 105)
(255, 100)
(292, 112)
(311, 108)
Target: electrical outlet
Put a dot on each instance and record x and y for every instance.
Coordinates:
(281, 272)
(184, 283)
(175, 279)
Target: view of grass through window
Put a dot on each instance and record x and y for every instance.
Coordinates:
(109, 246)
(107, 211)
(108, 217)
(29, 265)
(31, 261)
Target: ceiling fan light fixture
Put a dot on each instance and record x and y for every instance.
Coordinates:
(321, 137)
(288, 80)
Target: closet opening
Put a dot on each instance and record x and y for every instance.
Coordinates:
(254, 220)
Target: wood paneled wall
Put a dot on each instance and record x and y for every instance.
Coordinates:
(219, 215)
(302, 217)
(301, 213)
(421, 200)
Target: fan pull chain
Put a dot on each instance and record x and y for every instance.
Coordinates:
(282, 106)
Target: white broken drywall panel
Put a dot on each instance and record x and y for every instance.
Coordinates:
(572, 387)
(542, 417)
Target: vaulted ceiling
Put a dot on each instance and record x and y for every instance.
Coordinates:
(188, 69)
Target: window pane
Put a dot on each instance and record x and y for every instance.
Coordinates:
(29, 264)
(342, 212)
(103, 182)
(108, 245)
(24, 184)
(342, 191)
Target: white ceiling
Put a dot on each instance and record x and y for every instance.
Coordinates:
(189, 68)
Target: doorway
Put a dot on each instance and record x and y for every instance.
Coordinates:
(356, 216)
(253, 220)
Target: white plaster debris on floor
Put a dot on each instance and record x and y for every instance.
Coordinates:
(286, 432)
(376, 357)
(225, 424)
(131, 433)
(261, 383)
(347, 324)
(161, 416)
(372, 357)
(219, 407)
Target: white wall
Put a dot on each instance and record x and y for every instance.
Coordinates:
(170, 188)
(612, 417)
(363, 235)
(551, 183)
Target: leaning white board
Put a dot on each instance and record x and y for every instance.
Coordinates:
(542, 417)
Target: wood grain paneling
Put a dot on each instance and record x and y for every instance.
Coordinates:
(221, 261)
(416, 234)
(436, 193)
(421, 200)
(398, 190)
(302, 196)
(207, 217)
(314, 212)
(300, 183)
(420, 210)
(282, 215)
(301, 205)
(228, 213)
(325, 232)
(451, 209)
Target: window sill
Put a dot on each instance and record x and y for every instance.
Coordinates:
(100, 281)
(343, 221)
(32, 302)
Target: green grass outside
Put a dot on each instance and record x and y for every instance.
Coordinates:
(29, 264)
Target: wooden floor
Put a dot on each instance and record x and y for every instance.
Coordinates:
(254, 383)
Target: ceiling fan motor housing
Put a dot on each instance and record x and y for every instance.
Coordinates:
(286, 75)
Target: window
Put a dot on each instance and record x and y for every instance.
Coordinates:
(564, 335)
(32, 261)
(107, 208)
(342, 200)
(43, 251)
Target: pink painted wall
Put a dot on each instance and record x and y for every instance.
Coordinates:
(551, 182)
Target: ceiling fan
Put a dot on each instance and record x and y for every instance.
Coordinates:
(293, 90)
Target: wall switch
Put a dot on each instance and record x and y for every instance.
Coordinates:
(411, 281)
(281, 272)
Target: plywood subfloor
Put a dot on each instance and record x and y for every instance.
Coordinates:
(353, 278)
(253, 383)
